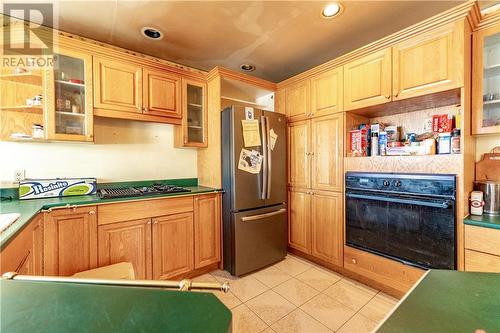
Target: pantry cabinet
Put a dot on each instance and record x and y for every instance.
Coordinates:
(70, 240)
(486, 81)
(128, 241)
(428, 63)
(327, 92)
(367, 81)
(299, 219)
(207, 230)
(299, 149)
(297, 101)
(161, 93)
(24, 254)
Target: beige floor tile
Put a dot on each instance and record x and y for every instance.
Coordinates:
(228, 299)
(298, 321)
(378, 307)
(270, 306)
(296, 291)
(245, 321)
(205, 278)
(293, 266)
(318, 278)
(271, 276)
(329, 312)
(358, 324)
(352, 295)
(268, 330)
(247, 288)
(221, 275)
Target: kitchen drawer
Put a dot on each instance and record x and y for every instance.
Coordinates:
(481, 262)
(134, 210)
(482, 239)
(382, 270)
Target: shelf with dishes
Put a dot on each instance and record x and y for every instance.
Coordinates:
(24, 108)
(70, 114)
(76, 83)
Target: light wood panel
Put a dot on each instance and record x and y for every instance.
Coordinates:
(172, 245)
(127, 242)
(207, 227)
(429, 63)
(481, 262)
(161, 93)
(297, 101)
(367, 81)
(118, 85)
(70, 241)
(482, 239)
(327, 92)
(327, 226)
(299, 154)
(327, 152)
(140, 209)
(299, 220)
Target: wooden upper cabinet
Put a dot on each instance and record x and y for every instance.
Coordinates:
(299, 152)
(280, 98)
(23, 254)
(327, 152)
(128, 241)
(172, 245)
(70, 241)
(327, 92)
(117, 85)
(429, 63)
(207, 228)
(326, 227)
(299, 220)
(162, 93)
(297, 101)
(367, 81)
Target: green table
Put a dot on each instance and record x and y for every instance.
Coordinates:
(29, 307)
(449, 301)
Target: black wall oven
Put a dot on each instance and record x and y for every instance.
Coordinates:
(406, 217)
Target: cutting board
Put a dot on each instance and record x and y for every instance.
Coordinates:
(489, 166)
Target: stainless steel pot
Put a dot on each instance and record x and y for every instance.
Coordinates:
(491, 190)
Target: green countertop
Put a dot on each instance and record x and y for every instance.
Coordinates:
(486, 221)
(29, 208)
(449, 301)
(53, 307)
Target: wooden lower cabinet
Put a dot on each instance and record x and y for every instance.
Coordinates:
(24, 253)
(299, 220)
(128, 241)
(207, 230)
(172, 245)
(70, 241)
(482, 249)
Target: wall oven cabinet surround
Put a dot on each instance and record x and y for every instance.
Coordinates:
(486, 81)
(406, 217)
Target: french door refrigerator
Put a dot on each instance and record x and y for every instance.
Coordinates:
(254, 201)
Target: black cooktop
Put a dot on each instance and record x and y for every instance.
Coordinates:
(123, 192)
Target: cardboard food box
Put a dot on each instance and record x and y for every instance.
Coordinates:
(59, 187)
(442, 123)
(359, 142)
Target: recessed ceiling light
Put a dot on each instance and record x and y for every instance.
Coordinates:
(247, 67)
(151, 33)
(331, 10)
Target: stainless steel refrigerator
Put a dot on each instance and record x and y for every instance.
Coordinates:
(254, 204)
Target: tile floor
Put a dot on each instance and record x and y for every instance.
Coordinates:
(295, 295)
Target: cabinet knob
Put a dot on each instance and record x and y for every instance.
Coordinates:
(149, 222)
(312, 153)
(388, 97)
(396, 94)
(90, 136)
(155, 222)
(354, 261)
(92, 212)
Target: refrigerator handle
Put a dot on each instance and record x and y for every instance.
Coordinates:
(269, 162)
(264, 158)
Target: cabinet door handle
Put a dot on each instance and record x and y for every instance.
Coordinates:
(149, 222)
(312, 153)
(396, 94)
(92, 212)
(155, 222)
(354, 261)
(388, 97)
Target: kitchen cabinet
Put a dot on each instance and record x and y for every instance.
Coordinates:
(172, 245)
(367, 81)
(24, 254)
(327, 92)
(299, 220)
(297, 101)
(299, 166)
(117, 85)
(128, 241)
(428, 63)
(70, 240)
(161, 93)
(207, 230)
(486, 81)
(482, 249)
(194, 129)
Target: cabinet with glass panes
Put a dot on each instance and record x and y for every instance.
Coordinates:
(69, 109)
(193, 131)
(486, 81)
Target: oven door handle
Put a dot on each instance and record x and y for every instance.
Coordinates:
(444, 204)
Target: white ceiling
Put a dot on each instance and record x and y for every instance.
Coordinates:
(281, 38)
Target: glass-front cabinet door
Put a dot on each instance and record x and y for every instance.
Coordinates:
(193, 132)
(69, 109)
(486, 81)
